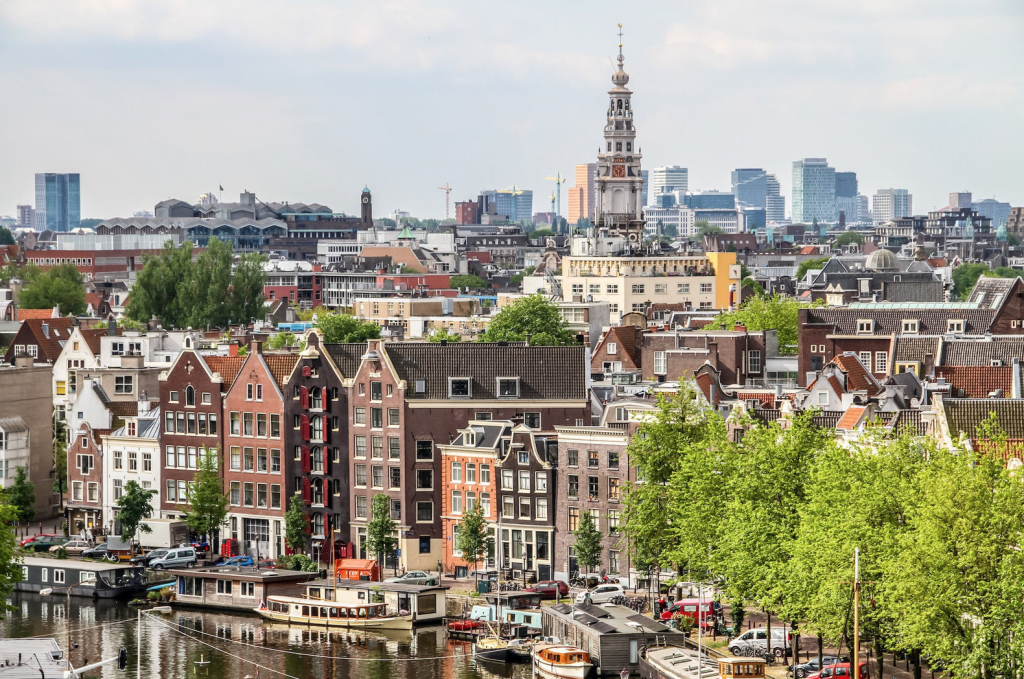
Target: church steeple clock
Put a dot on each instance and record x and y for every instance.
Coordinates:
(366, 209)
(618, 204)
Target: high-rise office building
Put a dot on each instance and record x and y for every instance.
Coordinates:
(814, 191)
(891, 204)
(646, 174)
(517, 207)
(667, 180)
(26, 217)
(774, 201)
(708, 200)
(581, 196)
(998, 212)
(58, 201)
(863, 208)
(846, 196)
(750, 186)
(960, 199)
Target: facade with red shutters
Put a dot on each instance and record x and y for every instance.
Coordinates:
(255, 476)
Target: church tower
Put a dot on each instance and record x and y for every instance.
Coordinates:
(618, 204)
(366, 209)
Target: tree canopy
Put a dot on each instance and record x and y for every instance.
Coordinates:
(61, 284)
(444, 336)
(207, 501)
(296, 528)
(21, 496)
(471, 281)
(207, 293)
(473, 536)
(765, 313)
(380, 530)
(809, 264)
(6, 237)
(10, 570)
(966, 276)
(532, 316)
(135, 505)
(344, 329)
(849, 237)
(587, 543)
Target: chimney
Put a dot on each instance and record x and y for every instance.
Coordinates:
(1016, 391)
(929, 366)
(23, 361)
(256, 347)
(112, 327)
(233, 349)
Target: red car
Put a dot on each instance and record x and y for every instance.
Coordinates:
(549, 589)
(34, 537)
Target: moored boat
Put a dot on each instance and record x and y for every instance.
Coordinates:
(326, 613)
(561, 662)
(494, 649)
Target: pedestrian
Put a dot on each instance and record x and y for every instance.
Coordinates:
(40, 527)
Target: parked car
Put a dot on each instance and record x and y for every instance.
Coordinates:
(267, 563)
(551, 589)
(841, 670)
(202, 548)
(73, 547)
(148, 557)
(601, 594)
(758, 638)
(414, 578)
(244, 560)
(32, 538)
(812, 666)
(98, 551)
(44, 543)
(175, 558)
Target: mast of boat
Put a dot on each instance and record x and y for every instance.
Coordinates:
(700, 628)
(856, 613)
(501, 562)
(333, 571)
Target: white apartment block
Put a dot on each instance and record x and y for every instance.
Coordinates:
(889, 204)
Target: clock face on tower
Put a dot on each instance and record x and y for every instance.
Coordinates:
(618, 170)
(366, 199)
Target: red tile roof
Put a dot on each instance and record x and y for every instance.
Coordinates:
(851, 417)
(227, 366)
(122, 409)
(92, 338)
(281, 366)
(977, 381)
(29, 314)
(858, 378)
(49, 343)
(767, 398)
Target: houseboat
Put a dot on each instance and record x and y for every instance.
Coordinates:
(306, 611)
(518, 614)
(82, 578)
(561, 662)
(238, 588)
(675, 662)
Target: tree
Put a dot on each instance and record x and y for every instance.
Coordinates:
(471, 281)
(531, 316)
(206, 293)
(964, 278)
(541, 233)
(587, 543)
(444, 335)
(135, 504)
(90, 223)
(703, 228)
(22, 496)
(60, 459)
(809, 264)
(473, 537)
(60, 285)
(207, 501)
(285, 339)
(849, 237)
(6, 237)
(765, 313)
(517, 279)
(296, 525)
(380, 531)
(10, 571)
(345, 329)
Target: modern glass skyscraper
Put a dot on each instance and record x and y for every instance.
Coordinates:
(774, 202)
(58, 201)
(750, 186)
(667, 180)
(814, 191)
(846, 196)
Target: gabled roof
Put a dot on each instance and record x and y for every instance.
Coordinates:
(92, 338)
(123, 409)
(977, 381)
(626, 338)
(226, 366)
(34, 314)
(982, 352)
(48, 334)
(911, 348)
(280, 366)
(851, 418)
(545, 373)
(964, 415)
(889, 317)
(858, 377)
(347, 357)
(992, 292)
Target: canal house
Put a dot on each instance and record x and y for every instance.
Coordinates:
(234, 587)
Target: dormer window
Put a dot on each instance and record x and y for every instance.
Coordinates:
(955, 326)
(459, 387)
(995, 363)
(613, 348)
(421, 386)
(865, 326)
(132, 428)
(910, 327)
(470, 438)
(508, 387)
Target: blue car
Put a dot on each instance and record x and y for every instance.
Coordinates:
(238, 561)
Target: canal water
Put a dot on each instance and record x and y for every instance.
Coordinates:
(176, 645)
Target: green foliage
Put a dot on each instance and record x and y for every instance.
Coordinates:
(297, 562)
(204, 294)
(444, 336)
(6, 237)
(473, 537)
(849, 237)
(471, 281)
(135, 505)
(21, 496)
(964, 278)
(532, 316)
(207, 501)
(90, 223)
(380, 531)
(517, 279)
(10, 570)
(541, 233)
(1013, 239)
(587, 543)
(342, 328)
(60, 459)
(61, 284)
(296, 529)
(765, 313)
(1007, 272)
(703, 227)
(285, 339)
(60, 553)
(809, 264)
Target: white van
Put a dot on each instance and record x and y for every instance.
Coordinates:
(758, 638)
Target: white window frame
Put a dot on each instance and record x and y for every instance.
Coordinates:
(660, 362)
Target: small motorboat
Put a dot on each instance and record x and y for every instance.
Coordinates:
(494, 649)
(561, 662)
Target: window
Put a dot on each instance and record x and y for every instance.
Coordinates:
(485, 473)
(593, 487)
(124, 384)
(377, 447)
(316, 428)
(85, 463)
(507, 479)
(456, 472)
(58, 576)
(456, 502)
(524, 481)
(396, 510)
(614, 516)
(754, 361)
(683, 288)
(375, 391)
(118, 489)
(470, 472)
(612, 288)
(394, 477)
(377, 476)
(360, 447)
(275, 426)
(955, 326)
(147, 461)
(540, 481)
(613, 488)
(573, 486)
(508, 507)
(524, 507)
(613, 561)
(213, 424)
(360, 474)
(133, 460)
(359, 415)
(360, 506)
(613, 458)
(661, 288)
(594, 289)
(865, 326)
(394, 448)
(532, 420)
(822, 398)
(865, 358)
(705, 288)
(424, 451)
(910, 326)
(574, 518)
(593, 459)
(660, 363)
(261, 495)
(573, 457)
(275, 496)
(638, 288)
(118, 459)
(169, 422)
(393, 417)
(577, 288)
(248, 459)
(542, 508)
(425, 514)
(93, 492)
(275, 460)
(881, 361)
(235, 456)
(259, 392)
(247, 420)
(459, 387)
(76, 491)
(508, 387)
(247, 494)
(524, 457)
(233, 424)
(424, 479)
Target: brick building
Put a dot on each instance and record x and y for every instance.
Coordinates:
(85, 479)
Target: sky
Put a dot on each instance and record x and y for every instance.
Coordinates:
(310, 100)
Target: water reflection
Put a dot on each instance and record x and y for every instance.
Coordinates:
(228, 644)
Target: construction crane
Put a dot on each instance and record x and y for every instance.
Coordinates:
(515, 193)
(558, 179)
(447, 198)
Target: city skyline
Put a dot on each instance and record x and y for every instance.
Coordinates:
(894, 114)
